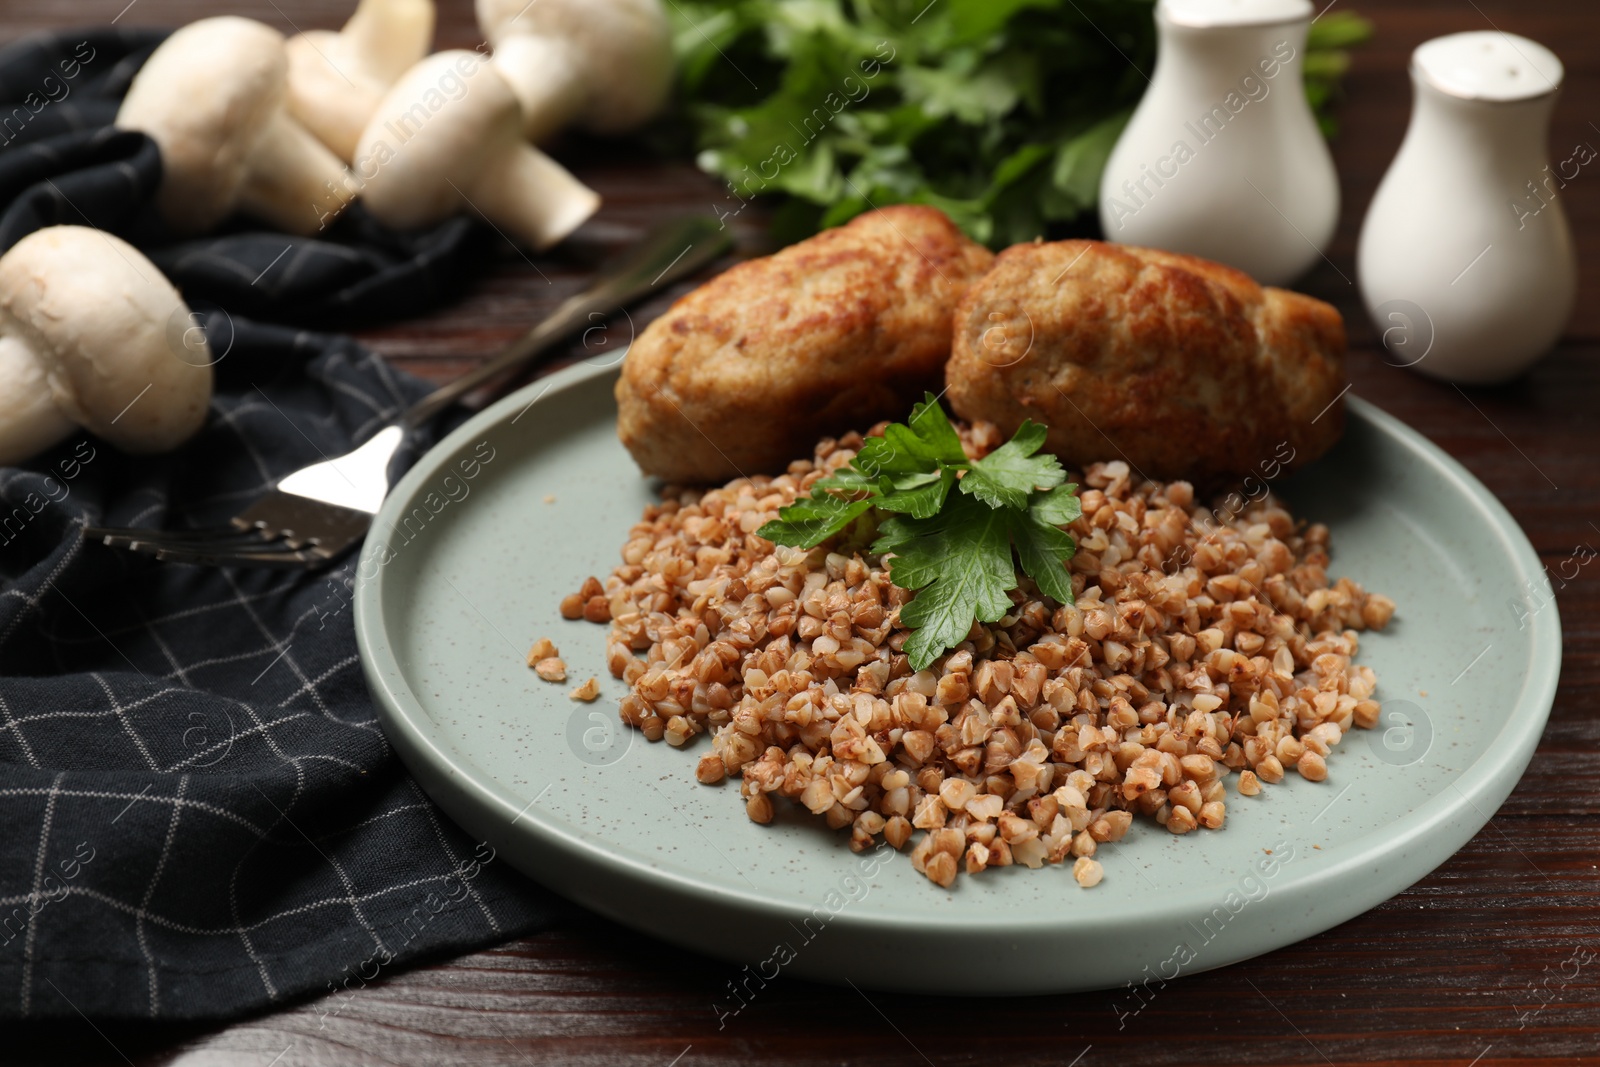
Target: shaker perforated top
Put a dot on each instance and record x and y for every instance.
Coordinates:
(1488, 65)
(1205, 14)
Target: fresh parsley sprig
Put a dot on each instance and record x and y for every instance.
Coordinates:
(1001, 113)
(954, 548)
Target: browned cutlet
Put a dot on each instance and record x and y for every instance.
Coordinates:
(835, 333)
(1183, 367)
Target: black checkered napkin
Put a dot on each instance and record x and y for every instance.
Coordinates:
(199, 814)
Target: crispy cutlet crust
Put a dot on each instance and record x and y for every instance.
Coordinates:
(834, 333)
(1181, 366)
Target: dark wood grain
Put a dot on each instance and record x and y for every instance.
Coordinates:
(1465, 967)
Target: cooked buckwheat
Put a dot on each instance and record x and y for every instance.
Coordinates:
(543, 648)
(1201, 643)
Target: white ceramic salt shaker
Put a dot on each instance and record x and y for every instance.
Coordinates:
(1466, 262)
(1223, 158)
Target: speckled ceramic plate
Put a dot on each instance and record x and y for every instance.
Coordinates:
(477, 544)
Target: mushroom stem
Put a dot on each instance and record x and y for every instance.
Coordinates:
(548, 79)
(30, 421)
(533, 197)
(605, 65)
(293, 181)
(389, 35)
(448, 137)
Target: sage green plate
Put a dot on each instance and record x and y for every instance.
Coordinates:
(475, 547)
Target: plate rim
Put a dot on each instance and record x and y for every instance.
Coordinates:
(410, 728)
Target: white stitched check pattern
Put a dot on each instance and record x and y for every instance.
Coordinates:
(201, 813)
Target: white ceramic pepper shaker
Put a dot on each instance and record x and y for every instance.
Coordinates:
(1466, 262)
(1223, 158)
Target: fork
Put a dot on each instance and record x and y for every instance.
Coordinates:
(312, 516)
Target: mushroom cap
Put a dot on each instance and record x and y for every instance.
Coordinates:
(622, 49)
(432, 134)
(30, 422)
(205, 97)
(108, 329)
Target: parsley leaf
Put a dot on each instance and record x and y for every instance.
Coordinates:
(1057, 507)
(921, 445)
(811, 520)
(1043, 549)
(923, 500)
(960, 562)
(910, 469)
(954, 549)
(847, 480)
(1005, 477)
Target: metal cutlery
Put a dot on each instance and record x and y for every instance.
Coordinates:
(313, 515)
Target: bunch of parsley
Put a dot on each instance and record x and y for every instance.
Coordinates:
(1000, 112)
(954, 547)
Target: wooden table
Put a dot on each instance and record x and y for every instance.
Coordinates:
(1473, 965)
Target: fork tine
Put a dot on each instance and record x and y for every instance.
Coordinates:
(130, 538)
(267, 556)
(122, 535)
(312, 517)
(154, 541)
(247, 548)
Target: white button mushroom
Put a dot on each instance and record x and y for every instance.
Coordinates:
(337, 79)
(88, 326)
(604, 64)
(448, 137)
(212, 97)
